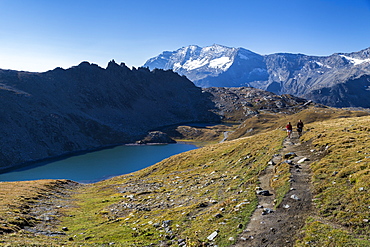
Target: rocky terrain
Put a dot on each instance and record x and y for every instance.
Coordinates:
(238, 104)
(234, 106)
(87, 107)
(339, 80)
(279, 226)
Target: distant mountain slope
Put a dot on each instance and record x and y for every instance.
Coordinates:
(239, 104)
(87, 107)
(341, 80)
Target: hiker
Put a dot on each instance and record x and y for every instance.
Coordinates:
(300, 128)
(289, 129)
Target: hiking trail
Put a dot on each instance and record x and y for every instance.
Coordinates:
(279, 226)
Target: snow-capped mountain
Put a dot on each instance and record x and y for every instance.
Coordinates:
(342, 79)
(205, 65)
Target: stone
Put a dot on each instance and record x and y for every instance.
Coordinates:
(267, 211)
(295, 197)
(202, 205)
(218, 216)
(271, 162)
(65, 229)
(303, 160)
(166, 223)
(288, 162)
(264, 193)
(241, 204)
(212, 236)
(289, 155)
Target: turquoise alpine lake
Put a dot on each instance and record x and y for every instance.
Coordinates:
(99, 165)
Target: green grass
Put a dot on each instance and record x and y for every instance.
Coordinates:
(280, 182)
(16, 202)
(222, 177)
(319, 234)
(341, 180)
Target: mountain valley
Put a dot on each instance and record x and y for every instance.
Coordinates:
(208, 196)
(246, 185)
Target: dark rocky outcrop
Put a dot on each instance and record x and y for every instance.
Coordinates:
(240, 103)
(87, 107)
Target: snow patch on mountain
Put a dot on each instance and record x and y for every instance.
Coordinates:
(191, 64)
(222, 63)
(356, 61)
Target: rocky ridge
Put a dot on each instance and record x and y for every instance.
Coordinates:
(87, 107)
(240, 103)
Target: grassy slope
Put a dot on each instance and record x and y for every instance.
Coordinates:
(268, 121)
(341, 184)
(200, 191)
(16, 202)
(190, 190)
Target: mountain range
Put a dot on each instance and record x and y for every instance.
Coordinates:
(339, 80)
(87, 107)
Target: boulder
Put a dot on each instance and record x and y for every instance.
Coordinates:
(264, 193)
(156, 137)
(289, 155)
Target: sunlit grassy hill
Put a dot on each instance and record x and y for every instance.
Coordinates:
(189, 197)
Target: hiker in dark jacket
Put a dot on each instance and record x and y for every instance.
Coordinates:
(300, 128)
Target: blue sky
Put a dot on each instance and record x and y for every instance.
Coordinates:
(39, 35)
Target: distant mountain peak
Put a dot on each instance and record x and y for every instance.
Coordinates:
(199, 62)
(282, 73)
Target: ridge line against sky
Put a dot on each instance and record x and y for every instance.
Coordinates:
(40, 35)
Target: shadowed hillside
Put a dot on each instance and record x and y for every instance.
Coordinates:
(87, 107)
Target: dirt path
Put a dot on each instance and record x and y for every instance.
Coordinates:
(280, 227)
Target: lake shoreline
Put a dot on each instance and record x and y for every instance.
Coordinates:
(30, 164)
(96, 165)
